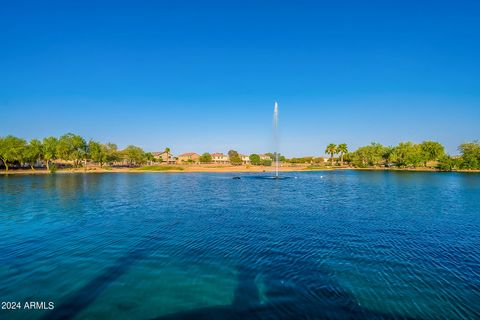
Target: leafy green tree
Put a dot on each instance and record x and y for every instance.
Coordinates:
(149, 157)
(234, 158)
(342, 149)
(80, 149)
(205, 158)
(407, 154)
(97, 152)
(266, 162)
(470, 155)
(447, 163)
(387, 154)
(50, 145)
(112, 153)
(255, 159)
(431, 151)
(64, 148)
(72, 147)
(134, 155)
(331, 150)
(11, 149)
(371, 155)
(33, 152)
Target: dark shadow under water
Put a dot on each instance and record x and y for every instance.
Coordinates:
(321, 298)
(76, 302)
(327, 301)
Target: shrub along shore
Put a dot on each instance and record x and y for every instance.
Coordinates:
(72, 153)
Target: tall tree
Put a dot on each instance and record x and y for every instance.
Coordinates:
(98, 152)
(371, 155)
(407, 154)
(470, 155)
(331, 150)
(205, 158)
(134, 155)
(234, 158)
(167, 151)
(255, 159)
(431, 151)
(387, 155)
(33, 152)
(72, 147)
(50, 146)
(11, 149)
(112, 153)
(148, 156)
(342, 149)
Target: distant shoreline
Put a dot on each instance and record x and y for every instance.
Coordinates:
(214, 169)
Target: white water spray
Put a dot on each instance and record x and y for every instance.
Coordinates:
(275, 134)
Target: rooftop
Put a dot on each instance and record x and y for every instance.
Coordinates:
(188, 154)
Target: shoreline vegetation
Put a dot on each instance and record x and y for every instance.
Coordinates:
(225, 169)
(71, 153)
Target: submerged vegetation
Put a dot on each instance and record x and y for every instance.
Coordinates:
(72, 150)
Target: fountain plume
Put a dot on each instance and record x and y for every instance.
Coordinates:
(275, 136)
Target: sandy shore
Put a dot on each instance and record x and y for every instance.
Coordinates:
(210, 168)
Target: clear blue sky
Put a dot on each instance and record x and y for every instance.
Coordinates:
(203, 76)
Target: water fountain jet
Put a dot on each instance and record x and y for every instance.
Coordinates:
(276, 147)
(275, 136)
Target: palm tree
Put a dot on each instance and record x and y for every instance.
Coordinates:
(167, 151)
(342, 149)
(331, 150)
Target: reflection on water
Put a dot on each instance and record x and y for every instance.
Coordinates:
(333, 245)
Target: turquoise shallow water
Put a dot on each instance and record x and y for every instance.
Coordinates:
(338, 245)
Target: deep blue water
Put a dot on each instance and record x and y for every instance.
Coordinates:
(339, 245)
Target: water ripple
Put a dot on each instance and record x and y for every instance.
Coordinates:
(349, 245)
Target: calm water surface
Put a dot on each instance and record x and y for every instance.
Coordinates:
(339, 245)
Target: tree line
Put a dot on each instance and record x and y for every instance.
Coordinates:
(408, 155)
(77, 151)
(69, 147)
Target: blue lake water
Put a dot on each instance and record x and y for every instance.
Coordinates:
(335, 245)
